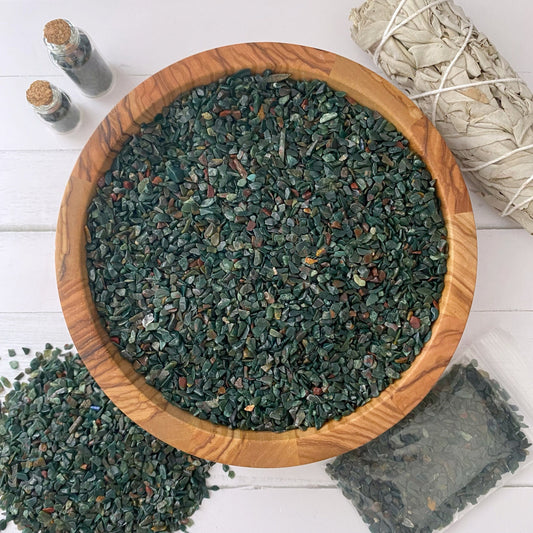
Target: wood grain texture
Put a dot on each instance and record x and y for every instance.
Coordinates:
(143, 403)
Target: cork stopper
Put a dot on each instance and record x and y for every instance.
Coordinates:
(39, 93)
(57, 31)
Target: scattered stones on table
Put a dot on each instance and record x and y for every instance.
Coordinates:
(70, 461)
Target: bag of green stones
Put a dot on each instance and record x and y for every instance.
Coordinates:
(463, 441)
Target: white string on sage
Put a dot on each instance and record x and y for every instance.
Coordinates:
(476, 100)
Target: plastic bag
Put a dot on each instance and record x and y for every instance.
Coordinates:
(463, 441)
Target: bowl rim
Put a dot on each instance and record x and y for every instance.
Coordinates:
(143, 403)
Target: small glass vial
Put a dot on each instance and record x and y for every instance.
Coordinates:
(71, 50)
(53, 106)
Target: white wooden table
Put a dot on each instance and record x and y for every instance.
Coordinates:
(139, 38)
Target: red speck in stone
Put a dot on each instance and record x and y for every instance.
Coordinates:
(415, 322)
(328, 238)
(266, 211)
(48, 510)
(182, 382)
(317, 391)
(367, 373)
(44, 473)
(399, 145)
(101, 182)
(354, 186)
(246, 192)
(336, 224)
(304, 103)
(240, 169)
(148, 489)
(307, 194)
(225, 113)
(256, 243)
(203, 159)
(435, 304)
(251, 225)
(157, 180)
(115, 340)
(127, 185)
(210, 191)
(114, 197)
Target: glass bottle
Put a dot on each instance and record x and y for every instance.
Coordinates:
(53, 106)
(71, 50)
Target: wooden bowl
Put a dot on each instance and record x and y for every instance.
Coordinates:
(144, 404)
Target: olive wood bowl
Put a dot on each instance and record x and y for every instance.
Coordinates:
(143, 403)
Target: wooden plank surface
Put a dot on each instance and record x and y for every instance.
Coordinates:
(191, 27)
(196, 26)
(319, 510)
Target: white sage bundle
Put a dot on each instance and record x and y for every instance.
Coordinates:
(481, 107)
